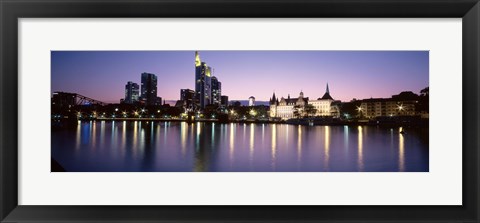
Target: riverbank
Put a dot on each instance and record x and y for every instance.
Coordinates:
(393, 121)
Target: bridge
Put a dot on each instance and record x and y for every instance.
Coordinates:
(74, 99)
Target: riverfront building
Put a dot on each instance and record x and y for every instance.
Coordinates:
(216, 91)
(149, 89)
(208, 89)
(131, 93)
(187, 98)
(203, 83)
(323, 105)
(403, 104)
(286, 108)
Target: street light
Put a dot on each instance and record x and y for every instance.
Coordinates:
(400, 109)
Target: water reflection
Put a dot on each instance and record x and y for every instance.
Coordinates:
(274, 145)
(175, 146)
(327, 148)
(401, 151)
(360, 149)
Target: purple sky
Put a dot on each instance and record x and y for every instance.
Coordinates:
(102, 75)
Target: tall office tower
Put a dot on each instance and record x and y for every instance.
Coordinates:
(149, 88)
(216, 91)
(203, 83)
(188, 97)
(131, 93)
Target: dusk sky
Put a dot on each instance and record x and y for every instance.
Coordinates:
(102, 75)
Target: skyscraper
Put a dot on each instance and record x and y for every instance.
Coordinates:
(203, 83)
(131, 93)
(187, 97)
(216, 91)
(149, 88)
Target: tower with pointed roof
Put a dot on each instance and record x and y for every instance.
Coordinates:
(273, 106)
(327, 94)
(323, 105)
(203, 83)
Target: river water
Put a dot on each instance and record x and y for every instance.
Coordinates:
(126, 146)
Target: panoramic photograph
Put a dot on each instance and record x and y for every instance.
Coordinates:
(239, 111)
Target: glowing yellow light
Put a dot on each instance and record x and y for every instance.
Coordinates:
(198, 62)
(360, 149)
(401, 152)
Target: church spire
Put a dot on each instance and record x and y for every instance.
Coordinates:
(273, 99)
(198, 62)
(327, 94)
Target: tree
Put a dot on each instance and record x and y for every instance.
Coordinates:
(310, 110)
(423, 105)
(424, 92)
(296, 111)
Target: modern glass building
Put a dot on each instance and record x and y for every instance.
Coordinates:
(216, 91)
(149, 88)
(131, 93)
(187, 96)
(203, 83)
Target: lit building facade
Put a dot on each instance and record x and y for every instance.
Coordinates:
(216, 91)
(287, 108)
(203, 83)
(131, 93)
(149, 89)
(323, 105)
(187, 98)
(379, 107)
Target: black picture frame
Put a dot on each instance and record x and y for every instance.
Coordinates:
(11, 11)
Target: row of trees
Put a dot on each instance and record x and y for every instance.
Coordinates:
(306, 111)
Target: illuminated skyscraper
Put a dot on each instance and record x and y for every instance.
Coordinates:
(216, 91)
(203, 83)
(131, 93)
(187, 97)
(149, 88)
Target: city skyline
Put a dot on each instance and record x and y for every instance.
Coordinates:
(350, 74)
